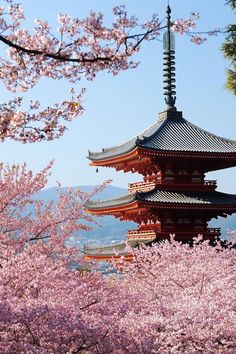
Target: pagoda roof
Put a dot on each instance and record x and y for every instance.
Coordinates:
(113, 250)
(163, 197)
(106, 250)
(171, 133)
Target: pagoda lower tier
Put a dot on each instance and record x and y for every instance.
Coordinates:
(108, 252)
(160, 213)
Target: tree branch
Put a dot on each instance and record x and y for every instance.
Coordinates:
(51, 55)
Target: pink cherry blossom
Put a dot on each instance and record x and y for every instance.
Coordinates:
(172, 298)
(184, 299)
(82, 49)
(198, 39)
(35, 124)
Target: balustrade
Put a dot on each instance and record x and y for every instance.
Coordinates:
(141, 234)
(147, 186)
(151, 234)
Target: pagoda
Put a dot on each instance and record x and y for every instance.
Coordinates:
(173, 156)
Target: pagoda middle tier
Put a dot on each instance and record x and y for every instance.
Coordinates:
(160, 213)
(174, 198)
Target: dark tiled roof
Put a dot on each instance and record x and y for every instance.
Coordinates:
(112, 250)
(106, 250)
(190, 197)
(160, 196)
(172, 133)
(126, 199)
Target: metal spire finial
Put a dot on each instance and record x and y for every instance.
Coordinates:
(169, 65)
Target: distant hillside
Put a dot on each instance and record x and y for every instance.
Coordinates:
(112, 230)
(108, 193)
(109, 230)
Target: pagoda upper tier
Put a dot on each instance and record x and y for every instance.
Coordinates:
(171, 138)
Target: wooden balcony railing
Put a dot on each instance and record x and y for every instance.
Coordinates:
(152, 234)
(147, 186)
(141, 235)
(185, 234)
(141, 186)
(210, 183)
(213, 230)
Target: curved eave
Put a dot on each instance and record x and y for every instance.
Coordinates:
(188, 154)
(141, 205)
(161, 199)
(140, 152)
(189, 206)
(109, 257)
(130, 155)
(103, 210)
(107, 252)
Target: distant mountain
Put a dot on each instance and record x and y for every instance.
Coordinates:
(112, 230)
(109, 230)
(108, 193)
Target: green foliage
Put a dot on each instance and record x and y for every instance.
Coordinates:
(229, 50)
(231, 3)
(231, 80)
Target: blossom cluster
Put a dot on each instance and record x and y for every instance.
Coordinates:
(172, 298)
(77, 49)
(185, 299)
(36, 124)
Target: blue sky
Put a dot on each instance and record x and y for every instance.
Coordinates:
(118, 108)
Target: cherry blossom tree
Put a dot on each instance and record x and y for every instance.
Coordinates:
(171, 299)
(30, 219)
(185, 299)
(45, 306)
(79, 48)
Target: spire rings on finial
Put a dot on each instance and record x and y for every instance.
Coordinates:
(169, 64)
